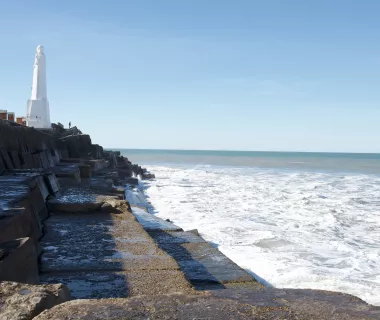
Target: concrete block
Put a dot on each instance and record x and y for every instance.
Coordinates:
(38, 203)
(11, 225)
(52, 183)
(12, 190)
(6, 159)
(28, 160)
(43, 187)
(15, 159)
(76, 200)
(120, 284)
(2, 165)
(37, 160)
(18, 261)
(176, 237)
(151, 222)
(50, 158)
(44, 160)
(56, 157)
(117, 242)
(85, 171)
(201, 262)
(18, 223)
(33, 216)
(67, 171)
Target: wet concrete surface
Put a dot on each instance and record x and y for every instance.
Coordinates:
(77, 199)
(13, 189)
(151, 222)
(120, 284)
(106, 255)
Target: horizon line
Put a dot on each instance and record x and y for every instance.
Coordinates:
(226, 150)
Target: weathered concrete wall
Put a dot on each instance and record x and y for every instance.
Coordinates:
(25, 148)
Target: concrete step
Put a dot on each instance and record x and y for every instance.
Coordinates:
(106, 255)
(199, 260)
(113, 284)
(275, 304)
(151, 222)
(76, 200)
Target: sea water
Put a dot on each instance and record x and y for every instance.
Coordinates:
(294, 220)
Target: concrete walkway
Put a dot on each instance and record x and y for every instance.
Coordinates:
(102, 255)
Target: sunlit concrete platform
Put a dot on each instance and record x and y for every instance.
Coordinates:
(106, 255)
(237, 304)
(199, 260)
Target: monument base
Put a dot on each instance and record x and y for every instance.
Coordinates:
(38, 114)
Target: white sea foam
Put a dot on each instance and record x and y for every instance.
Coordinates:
(293, 229)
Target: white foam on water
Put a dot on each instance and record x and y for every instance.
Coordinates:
(292, 229)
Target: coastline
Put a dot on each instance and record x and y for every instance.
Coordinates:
(70, 229)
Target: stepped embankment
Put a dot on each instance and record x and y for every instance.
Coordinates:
(77, 241)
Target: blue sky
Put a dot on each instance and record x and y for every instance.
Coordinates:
(197, 74)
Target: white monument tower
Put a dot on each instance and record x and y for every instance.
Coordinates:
(38, 114)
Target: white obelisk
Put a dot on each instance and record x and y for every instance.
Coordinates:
(38, 114)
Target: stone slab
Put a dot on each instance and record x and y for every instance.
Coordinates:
(13, 189)
(37, 160)
(38, 203)
(18, 261)
(97, 164)
(56, 157)
(5, 157)
(100, 285)
(2, 165)
(72, 160)
(52, 183)
(20, 301)
(15, 159)
(85, 171)
(136, 197)
(18, 223)
(70, 171)
(43, 187)
(100, 242)
(44, 160)
(201, 262)
(175, 237)
(151, 222)
(77, 200)
(28, 160)
(50, 158)
(276, 304)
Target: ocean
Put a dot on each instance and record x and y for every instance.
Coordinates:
(293, 220)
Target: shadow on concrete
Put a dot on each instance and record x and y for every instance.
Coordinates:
(260, 279)
(180, 254)
(176, 245)
(80, 251)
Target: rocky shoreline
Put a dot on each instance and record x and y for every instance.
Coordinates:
(77, 242)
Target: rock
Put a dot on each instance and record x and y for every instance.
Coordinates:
(107, 208)
(19, 301)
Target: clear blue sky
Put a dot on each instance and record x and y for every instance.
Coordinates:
(202, 74)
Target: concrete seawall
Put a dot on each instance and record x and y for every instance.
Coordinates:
(77, 241)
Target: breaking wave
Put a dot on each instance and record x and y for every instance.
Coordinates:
(292, 229)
